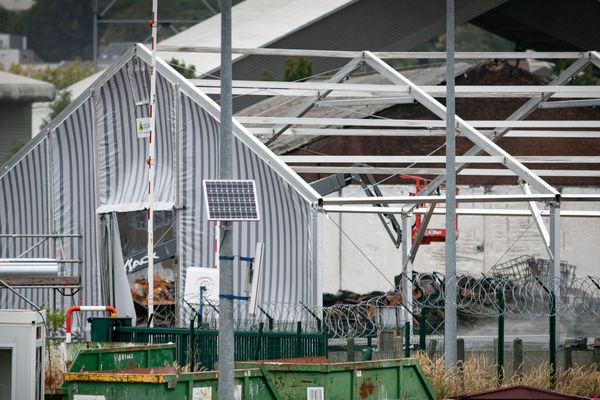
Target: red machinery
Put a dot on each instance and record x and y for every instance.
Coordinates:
(431, 234)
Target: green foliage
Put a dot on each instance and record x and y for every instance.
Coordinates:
(55, 319)
(61, 76)
(56, 29)
(13, 149)
(585, 77)
(266, 76)
(60, 103)
(62, 29)
(188, 72)
(297, 69)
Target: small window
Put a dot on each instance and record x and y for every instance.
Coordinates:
(5, 373)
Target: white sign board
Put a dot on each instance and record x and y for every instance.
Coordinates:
(142, 127)
(197, 277)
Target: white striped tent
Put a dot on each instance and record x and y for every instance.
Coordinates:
(89, 163)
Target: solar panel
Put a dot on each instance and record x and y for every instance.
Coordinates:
(230, 200)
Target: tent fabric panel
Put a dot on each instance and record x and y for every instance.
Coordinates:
(75, 195)
(284, 228)
(198, 159)
(24, 209)
(121, 155)
(285, 215)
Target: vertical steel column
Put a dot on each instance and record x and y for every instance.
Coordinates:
(226, 379)
(95, 35)
(555, 289)
(450, 324)
(407, 297)
(316, 273)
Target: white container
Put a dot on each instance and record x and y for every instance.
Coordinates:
(22, 339)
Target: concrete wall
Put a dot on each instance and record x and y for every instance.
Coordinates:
(482, 242)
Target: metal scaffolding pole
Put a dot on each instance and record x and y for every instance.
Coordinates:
(226, 344)
(450, 323)
(150, 164)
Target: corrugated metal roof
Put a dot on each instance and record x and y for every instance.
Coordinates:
(520, 392)
(257, 23)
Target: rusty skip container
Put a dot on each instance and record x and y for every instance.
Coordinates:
(313, 380)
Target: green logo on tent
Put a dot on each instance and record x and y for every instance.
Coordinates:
(141, 127)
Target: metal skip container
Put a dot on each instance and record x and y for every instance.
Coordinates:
(313, 379)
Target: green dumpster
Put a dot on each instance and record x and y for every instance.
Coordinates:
(123, 358)
(298, 379)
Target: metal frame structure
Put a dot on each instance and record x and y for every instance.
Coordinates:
(483, 134)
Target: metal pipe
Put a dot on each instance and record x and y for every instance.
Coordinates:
(450, 323)
(226, 341)
(70, 310)
(430, 55)
(29, 269)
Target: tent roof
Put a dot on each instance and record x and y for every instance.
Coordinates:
(193, 92)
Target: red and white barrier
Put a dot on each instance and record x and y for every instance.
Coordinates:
(70, 310)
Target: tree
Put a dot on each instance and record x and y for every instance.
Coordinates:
(188, 72)
(13, 149)
(61, 76)
(57, 106)
(56, 29)
(297, 69)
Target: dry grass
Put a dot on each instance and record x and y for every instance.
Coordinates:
(479, 375)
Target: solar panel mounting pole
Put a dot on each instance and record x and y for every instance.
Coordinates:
(226, 381)
(450, 323)
(150, 164)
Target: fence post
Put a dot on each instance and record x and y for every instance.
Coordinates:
(407, 339)
(552, 327)
(260, 331)
(568, 357)
(299, 339)
(368, 352)
(423, 329)
(597, 352)
(517, 356)
(315, 316)
(432, 348)
(501, 311)
(192, 346)
(269, 318)
(350, 349)
(460, 350)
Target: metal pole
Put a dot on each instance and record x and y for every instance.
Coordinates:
(552, 339)
(150, 165)
(407, 297)
(407, 339)
(95, 36)
(450, 325)
(226, 341)
(423, 329)
(501, 310)
(555, 249)
(552, 330)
